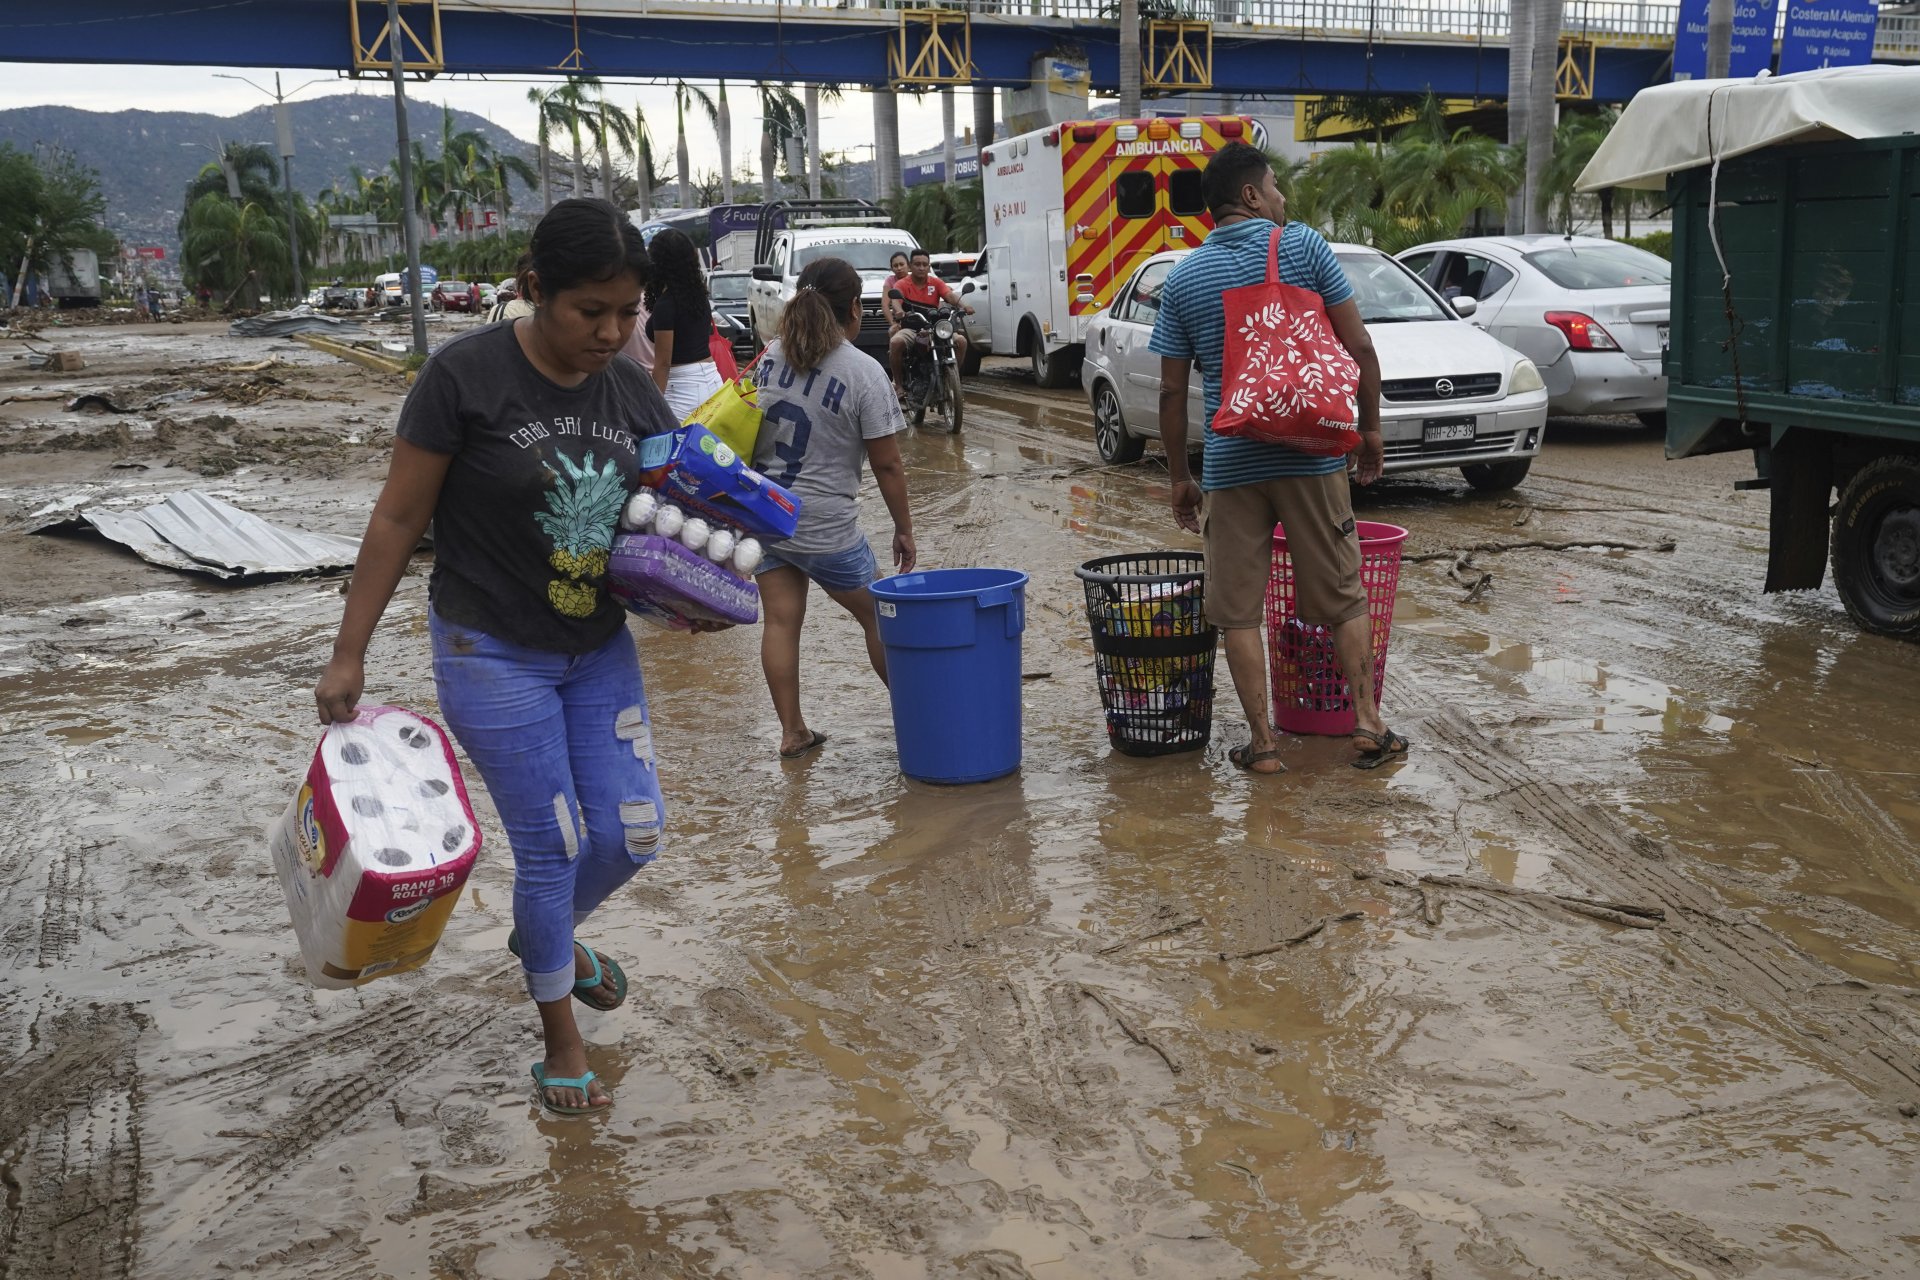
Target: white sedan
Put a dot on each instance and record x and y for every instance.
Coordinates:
(1590, 313)
(1450, 396)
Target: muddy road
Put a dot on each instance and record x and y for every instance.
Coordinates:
(886, 1030)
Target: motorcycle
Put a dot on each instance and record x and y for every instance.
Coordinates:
(932, 374)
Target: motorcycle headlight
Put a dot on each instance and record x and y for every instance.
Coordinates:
(1525, 378)
(943, 329)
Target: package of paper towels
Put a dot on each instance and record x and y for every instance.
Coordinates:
(374, 849)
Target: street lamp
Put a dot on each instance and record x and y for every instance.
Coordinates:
(283, 125)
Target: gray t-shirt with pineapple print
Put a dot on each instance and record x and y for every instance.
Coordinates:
(538, 477)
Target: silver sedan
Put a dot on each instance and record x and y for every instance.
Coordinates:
(1450, 395)
(1591, 313)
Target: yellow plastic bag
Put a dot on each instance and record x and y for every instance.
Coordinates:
(733, 415)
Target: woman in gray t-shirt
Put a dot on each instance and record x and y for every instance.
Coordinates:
(829, 408)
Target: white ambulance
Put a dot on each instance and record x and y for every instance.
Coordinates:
(1072, 209)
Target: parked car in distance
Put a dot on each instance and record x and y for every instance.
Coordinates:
(1450, 395)
(1590, 313)
(728, 291)
(488, 293)
(456, 295)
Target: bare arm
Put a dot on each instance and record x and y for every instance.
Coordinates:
(399, 517)
(1174, 375)
(662, 358)
(883, 455)
(1352, 332)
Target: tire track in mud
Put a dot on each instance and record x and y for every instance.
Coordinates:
(331, 1090)
(47, 894)
(70, 1158)
(1820, 1010)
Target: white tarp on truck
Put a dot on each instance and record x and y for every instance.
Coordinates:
(1672, 127)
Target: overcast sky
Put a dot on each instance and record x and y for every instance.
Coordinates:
(846, 125)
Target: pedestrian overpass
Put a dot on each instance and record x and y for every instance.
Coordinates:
(1457, 48)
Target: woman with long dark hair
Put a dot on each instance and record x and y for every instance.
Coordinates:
(520, 443)
(828, 409)
(680, 322)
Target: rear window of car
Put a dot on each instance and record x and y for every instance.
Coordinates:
(452, 285)
(728, 288)
(1606, 266)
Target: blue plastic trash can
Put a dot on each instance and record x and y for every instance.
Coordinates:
(953, 670)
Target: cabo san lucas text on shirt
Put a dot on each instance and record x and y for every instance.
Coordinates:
(534, 432)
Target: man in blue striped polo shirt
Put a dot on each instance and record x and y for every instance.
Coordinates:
(1250, 486)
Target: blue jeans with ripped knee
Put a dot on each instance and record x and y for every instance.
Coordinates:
(565, 747)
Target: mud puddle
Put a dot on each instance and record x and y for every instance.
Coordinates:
(884, 1030)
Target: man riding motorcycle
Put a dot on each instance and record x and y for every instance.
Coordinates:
(921, 289)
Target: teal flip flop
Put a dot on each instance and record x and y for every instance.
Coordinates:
(580, 1082)
(582, 987)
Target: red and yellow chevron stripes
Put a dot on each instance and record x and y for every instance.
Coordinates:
(1101, 243)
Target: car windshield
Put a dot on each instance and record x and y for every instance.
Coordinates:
(861, 255)
(1386, 292)
(1601, 266)
(452, 286)
(727, 288)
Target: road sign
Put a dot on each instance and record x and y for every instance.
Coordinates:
(1753, 23)
(151, 253)
(1828, 33)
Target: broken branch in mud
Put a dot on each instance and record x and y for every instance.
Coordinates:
(1139, 1038)
(1535, 544)
(1177, 927)
(1311, 931)
(1620, 913)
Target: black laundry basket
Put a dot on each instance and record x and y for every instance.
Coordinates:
(1153, 649)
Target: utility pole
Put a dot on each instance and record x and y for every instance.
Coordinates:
(406, 177)
(283, 126)
(1719, 39)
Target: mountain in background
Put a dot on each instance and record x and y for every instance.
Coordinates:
(146, 158)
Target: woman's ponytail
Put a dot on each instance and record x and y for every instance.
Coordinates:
(815, 321)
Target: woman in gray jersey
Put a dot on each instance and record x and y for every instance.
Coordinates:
(829, 409)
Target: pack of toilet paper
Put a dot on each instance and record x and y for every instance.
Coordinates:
(375, 847)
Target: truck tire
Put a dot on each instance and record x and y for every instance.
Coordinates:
(1111, 439)
(970, 367)
(1496, 477)
(1876, 547)
(1056, 370)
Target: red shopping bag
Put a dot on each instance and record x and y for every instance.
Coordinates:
(722, 352)
(1287, 378)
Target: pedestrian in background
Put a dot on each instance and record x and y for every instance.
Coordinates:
(680, 324)
(828, 409)
(520, 443)
(1250, 486)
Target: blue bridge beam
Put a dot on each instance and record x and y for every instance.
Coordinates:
(702, 42)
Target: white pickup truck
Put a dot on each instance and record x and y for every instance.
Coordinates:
(794, 233)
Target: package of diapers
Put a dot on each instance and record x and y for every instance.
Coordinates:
(374, 849)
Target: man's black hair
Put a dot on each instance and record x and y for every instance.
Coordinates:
(1233, 168)
(919, 253)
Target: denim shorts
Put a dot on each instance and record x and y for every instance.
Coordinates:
(848, 570)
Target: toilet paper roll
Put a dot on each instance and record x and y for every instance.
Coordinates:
(374, 848)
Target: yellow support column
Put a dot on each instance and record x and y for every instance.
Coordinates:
(1177, 56)
(419, 55)
(933, 47)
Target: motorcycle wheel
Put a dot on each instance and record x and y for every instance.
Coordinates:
(956, 407)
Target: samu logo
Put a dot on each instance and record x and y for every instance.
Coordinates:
(312, 843)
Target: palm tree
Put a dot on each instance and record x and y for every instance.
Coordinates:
(782, 119)
(255, 166)
(1428, 163)
(723, 126)
(1544, 46)
(576, 100)
(683, 93)
(645, 170)
(227, 244)
(816, 94)
(1575, 141)
(505, 168)
(609, 126)
(540, 98)
(886, 143)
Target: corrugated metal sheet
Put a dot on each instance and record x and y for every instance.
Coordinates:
(201, 534)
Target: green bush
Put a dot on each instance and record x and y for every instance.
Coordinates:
(1660, 242)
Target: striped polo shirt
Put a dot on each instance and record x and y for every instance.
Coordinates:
(1193, 324)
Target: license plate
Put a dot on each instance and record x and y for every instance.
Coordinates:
(1446, 430)
(1663, 338)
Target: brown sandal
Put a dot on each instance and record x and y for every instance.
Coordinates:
(1246, 757)
(1387, 745)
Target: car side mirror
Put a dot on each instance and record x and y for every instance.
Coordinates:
(764, 272)
(1464, 306)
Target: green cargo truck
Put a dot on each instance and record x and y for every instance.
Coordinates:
(1796, 311)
